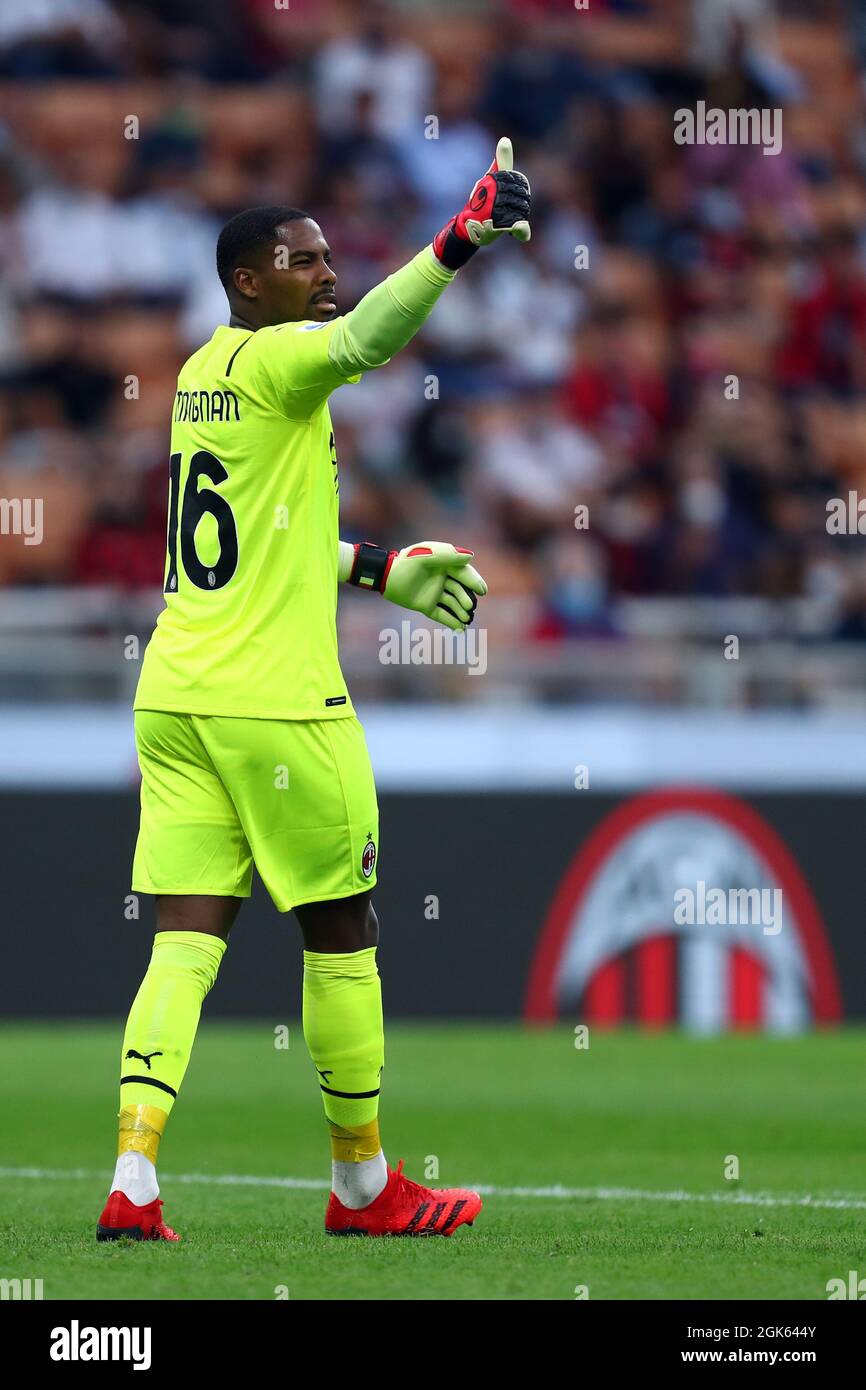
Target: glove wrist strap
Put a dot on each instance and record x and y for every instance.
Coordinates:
(451, 250)
(371, 566)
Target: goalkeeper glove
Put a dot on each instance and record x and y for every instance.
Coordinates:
(433, 577)
(500, 202)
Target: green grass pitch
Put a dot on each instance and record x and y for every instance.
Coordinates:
(499, 1106)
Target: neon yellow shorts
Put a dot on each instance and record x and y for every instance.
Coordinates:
(294, 797)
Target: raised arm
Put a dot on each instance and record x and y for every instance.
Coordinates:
(302, 362)
(389, 316)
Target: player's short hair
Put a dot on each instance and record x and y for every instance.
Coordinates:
(249, 232)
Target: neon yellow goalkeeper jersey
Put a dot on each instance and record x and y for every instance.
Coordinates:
(249, 624)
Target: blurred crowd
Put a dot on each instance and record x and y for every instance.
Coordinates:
(681, 349)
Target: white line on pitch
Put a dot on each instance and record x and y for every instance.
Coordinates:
(557, 1192)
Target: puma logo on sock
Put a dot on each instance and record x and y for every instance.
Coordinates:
(142, 1056)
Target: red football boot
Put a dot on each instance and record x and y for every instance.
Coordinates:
(123, 1218)
(405, 1208)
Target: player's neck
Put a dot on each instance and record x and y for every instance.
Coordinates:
(235, 321)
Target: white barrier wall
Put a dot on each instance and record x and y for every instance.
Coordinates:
(417, 747)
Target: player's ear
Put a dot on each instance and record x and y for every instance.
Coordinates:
(246, 282)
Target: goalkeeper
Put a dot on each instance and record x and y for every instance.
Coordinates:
(249, 746)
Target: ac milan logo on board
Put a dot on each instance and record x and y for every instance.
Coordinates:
(368, 858)
(615, 949)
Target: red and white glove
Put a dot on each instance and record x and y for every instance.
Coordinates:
(500, 202)
(433, 577)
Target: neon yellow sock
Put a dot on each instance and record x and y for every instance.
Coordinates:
(345, 1036)
(160, 1032)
